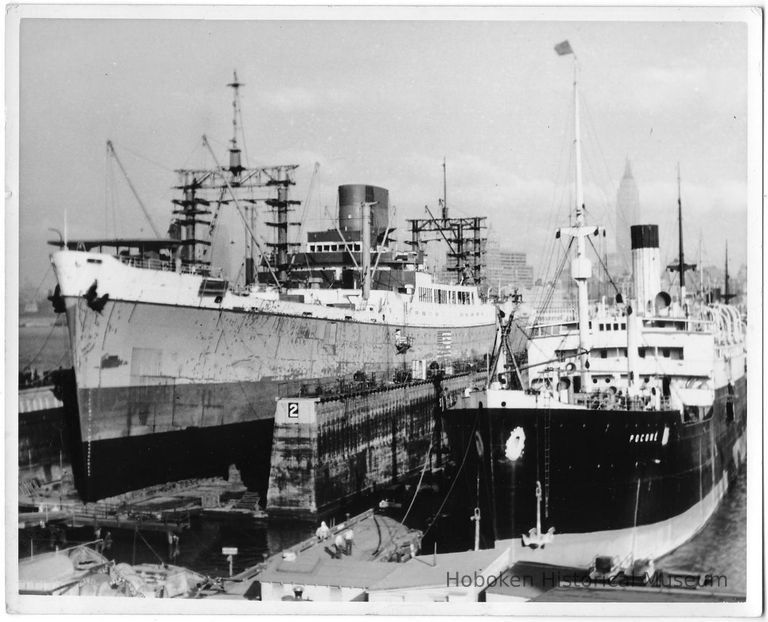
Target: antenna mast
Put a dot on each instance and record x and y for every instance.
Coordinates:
(681, 262)
(701, 268)
(445, 193)
(727, 295)
(680, 266)
(581, 267)
(235, 164)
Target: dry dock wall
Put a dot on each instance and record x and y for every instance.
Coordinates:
(327, 449)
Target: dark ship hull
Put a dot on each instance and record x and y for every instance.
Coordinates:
(622, 483)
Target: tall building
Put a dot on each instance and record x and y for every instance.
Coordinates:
(506, 268)
(627, 214)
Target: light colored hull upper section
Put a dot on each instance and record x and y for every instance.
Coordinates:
(156, 329)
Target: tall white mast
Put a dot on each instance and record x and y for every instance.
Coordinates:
(581, 267)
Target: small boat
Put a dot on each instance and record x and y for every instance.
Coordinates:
(83, 571)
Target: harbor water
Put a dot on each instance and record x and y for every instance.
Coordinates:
(44, 347)
(719, 549)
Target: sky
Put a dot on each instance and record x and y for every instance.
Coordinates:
(383, 102)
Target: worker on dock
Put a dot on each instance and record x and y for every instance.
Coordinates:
(349, 537)
(322, 532)
(339, 544)
(176, 548)
(97, 538)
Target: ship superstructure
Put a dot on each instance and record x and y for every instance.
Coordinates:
(177, 369)
(620, 433)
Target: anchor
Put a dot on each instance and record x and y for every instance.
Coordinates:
(57, 300)
(93, 299)
(535, 539)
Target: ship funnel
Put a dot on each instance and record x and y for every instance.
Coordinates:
(646, 266)
(351, 197)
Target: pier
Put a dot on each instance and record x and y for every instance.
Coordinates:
(162, 508)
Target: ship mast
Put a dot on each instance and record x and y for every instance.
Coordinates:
(445, 192)
(701, 270)
(198, 184)
(680, 266)
(727, 295)
(581, 267)
(235, 167)
(681, 261)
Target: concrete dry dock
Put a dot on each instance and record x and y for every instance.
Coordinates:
(329, 448)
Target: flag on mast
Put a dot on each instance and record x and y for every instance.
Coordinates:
(563, 48)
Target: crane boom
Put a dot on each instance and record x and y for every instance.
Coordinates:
(111, 151)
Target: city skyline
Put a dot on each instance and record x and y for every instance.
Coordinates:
(349, 96)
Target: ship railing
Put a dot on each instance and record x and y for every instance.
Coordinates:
(169, 266)
(607, 400)
(682, 324)
(371, 379)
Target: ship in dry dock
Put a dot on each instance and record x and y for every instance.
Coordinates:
(176, 369)
(618, 437)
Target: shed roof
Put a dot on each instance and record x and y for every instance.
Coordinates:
(426, 571)
(330, 572)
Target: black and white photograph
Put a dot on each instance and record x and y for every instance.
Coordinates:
(426, 310)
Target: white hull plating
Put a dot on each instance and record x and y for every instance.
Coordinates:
(157, 332)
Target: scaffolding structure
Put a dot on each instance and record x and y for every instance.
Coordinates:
(205, 191)
(465, 240)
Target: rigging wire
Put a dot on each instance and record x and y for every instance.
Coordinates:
(107, 186)
(40, 351)
(162, 561)
(164, 167)
(192, 153)
(239, 114)
(596, 149)
(306, 201)
(565, 199)
(37, 289)
(605, 268)
(470, 443)
(418, 486)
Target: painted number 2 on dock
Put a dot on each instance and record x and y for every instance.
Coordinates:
(293, 410)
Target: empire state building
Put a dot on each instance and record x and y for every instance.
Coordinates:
(627, 214)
